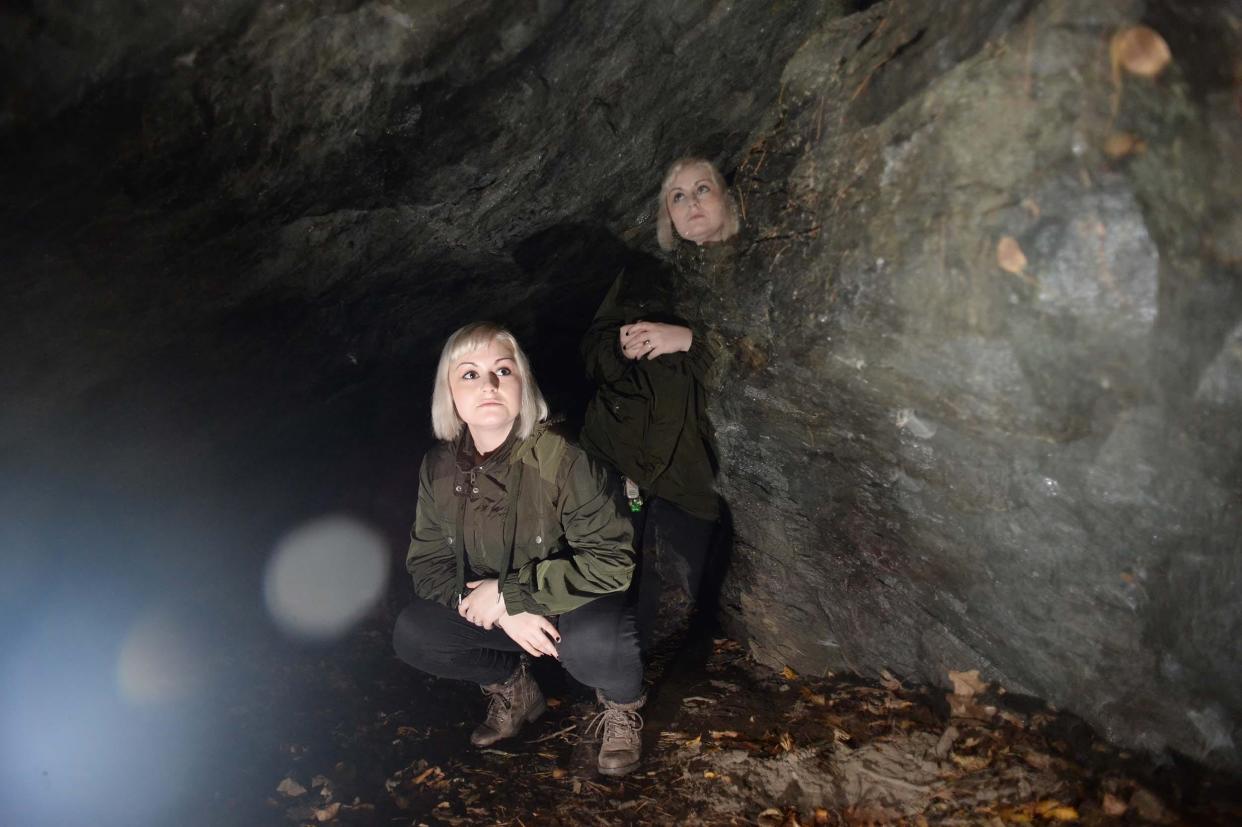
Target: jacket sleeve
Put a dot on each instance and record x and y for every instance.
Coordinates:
(701, 358)
(431, 559)
(604, 361)
(600, 535)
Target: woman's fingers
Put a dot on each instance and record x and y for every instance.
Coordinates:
(535, 634)
(546, 635)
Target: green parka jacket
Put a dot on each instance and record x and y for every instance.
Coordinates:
(647, 418)
(538, 514)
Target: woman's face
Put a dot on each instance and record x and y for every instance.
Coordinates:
(696, 205)
(487, 392)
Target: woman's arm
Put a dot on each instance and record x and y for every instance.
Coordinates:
(431, 559)
(600, 350)
(601, 537)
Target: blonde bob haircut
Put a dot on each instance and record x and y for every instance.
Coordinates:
(445, 422)
(665, 233)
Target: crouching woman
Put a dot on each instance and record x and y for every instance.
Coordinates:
(519, 548)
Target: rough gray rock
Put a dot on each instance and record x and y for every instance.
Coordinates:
(936, 463)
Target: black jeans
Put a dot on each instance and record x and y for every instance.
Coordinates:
(672, 558)
(599, 646)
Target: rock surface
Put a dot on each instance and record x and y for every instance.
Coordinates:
(240, 226)
(1028, 464)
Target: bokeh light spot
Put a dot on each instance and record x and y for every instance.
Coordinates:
(324, 576)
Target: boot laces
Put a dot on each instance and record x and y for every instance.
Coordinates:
(612, 723)
(499, 705)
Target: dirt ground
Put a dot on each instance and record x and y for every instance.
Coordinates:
(351, 736)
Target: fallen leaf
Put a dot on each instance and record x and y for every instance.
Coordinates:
(1121, 144)
(1140, 50)
(327, 813)
(1055, 811)
(771, 817)
(719, 734)
(1015, 816)
(290, 788)
(693, 743)
(1113, 805)
(821, 815)
(559, 773)
(552, 703)
(970, 763)
(1011, 259)
(427, 773)
(1038, 760)
(813, 697)
(788, 674)
(963, 707)
(787, 742)
(890, 683)
(708, 774)
(966, 683)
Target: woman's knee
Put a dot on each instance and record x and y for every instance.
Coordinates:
(597, 641)
(413, 635)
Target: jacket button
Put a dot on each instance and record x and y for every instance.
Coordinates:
(474, 490)
(458, 489)
(538, 539)
(450, 541)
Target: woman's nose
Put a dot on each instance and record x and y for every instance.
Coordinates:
(493, 381)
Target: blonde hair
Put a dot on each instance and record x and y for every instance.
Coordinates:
(445, 422)
(665, 233)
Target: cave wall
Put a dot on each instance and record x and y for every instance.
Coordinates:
(935, 462)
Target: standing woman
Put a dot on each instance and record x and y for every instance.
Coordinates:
(648, 417)
(520, 548)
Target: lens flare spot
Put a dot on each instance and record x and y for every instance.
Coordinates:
(324, 576)
(159, 661)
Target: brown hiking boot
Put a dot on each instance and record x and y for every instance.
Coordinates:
(620, 729)
(513, 702)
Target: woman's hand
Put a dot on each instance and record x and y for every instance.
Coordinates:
(483, 606)
(532, 632)
(647, 340)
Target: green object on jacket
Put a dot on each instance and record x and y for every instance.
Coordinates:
(565, 543)
(647, 418)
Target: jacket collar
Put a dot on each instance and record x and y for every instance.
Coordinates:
(463, 450)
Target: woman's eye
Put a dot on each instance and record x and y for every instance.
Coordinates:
(470, 374)
(704, 189)
(677, 196)
(504, 372)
